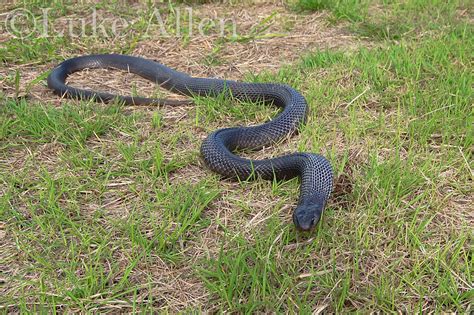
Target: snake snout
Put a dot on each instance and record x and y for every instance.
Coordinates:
(306, 216)
(305, 224)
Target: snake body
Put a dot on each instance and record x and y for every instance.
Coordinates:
(218, 148)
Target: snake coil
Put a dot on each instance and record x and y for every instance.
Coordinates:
(217, 149)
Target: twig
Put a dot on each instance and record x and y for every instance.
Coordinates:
(356, 98)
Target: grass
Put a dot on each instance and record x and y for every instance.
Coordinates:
(106, 208)
(353, 10)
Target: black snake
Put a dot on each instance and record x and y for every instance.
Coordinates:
(217, 149)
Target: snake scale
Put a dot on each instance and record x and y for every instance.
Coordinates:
(218, 148)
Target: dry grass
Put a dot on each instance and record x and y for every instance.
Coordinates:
(357, 259)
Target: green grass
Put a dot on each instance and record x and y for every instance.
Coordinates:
(353, 10)
(409, 139)
(106, 208)
(68, 125)
(392, 20)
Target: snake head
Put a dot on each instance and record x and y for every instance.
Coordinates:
(307, 214)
